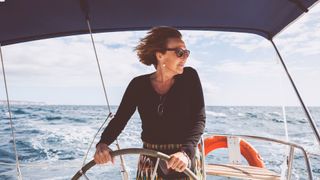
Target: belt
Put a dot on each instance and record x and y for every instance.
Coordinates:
(162, 146)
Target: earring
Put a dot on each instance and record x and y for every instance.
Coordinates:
(163, 65)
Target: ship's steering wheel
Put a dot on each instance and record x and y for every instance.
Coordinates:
(141, 151)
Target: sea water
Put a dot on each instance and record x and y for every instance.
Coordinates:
(53, 140)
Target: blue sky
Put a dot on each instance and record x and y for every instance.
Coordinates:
(235, 68)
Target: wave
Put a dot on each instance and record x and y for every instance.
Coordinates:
(251, 115)
(61, 134)
(31, 132)
(6, 156)
(277, 120)
(51, 118)
(216, 114)
(19, 111)
(274, 114)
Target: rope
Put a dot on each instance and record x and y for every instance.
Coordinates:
(124, 171)
(10, 118)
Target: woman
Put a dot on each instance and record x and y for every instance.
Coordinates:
(170, 103)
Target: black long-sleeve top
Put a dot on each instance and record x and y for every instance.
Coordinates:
(183, 118)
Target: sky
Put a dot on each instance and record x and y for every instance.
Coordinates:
(235, 69)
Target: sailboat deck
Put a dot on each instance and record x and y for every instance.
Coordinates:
(240, 171)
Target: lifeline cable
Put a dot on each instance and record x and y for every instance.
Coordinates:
(94, 137)
(10, 118)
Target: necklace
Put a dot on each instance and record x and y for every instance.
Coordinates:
(161, 105)
(161, 87)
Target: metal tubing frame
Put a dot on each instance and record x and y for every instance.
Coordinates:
(290, 163)
(306, 110)
(292, 145)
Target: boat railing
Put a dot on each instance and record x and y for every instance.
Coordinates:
(292, 146)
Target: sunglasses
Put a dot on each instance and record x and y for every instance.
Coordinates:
(180, 52)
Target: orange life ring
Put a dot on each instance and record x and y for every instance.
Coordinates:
(247, 151)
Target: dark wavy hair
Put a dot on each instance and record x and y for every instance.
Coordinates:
(155, 41)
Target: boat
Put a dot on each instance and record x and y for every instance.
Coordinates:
(23, 21)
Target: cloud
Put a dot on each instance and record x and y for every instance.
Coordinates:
(71, 61)
(47, 61)
(211, 90)
(196, 37)
(127, 39)
(253, 67)
(303, 36)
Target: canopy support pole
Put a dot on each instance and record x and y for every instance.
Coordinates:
(306, 110)
(300, 5)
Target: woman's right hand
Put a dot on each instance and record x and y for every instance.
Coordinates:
(102, 154)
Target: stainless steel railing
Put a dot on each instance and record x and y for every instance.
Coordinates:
(292, 146)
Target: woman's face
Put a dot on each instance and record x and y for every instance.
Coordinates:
(175, 56)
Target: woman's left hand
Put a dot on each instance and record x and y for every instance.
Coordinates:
(178, 161)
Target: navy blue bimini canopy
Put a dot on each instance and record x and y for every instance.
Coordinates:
(25, 20)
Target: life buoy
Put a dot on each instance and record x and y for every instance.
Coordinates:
(247, 151)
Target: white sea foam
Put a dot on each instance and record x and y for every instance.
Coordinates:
(216, 114)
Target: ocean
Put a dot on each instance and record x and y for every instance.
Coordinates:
(52, 140)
